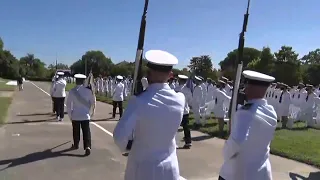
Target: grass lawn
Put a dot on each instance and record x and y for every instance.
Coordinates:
(300, 143)
(70, 86)
(4, 105)
(4, 87)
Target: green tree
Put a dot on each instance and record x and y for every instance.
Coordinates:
(313, 57)
(249, 54)
(58, 66)
(312, 74)
(286, 54)
(96, 62)
(1, 44)
(287, 67)
(201, 66)
(9, 65)
(34, 67)
(264, 63)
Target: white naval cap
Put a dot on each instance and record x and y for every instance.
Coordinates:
(197, 78)
(257, 78)
(60, 73)
(160, 60)
(222, 82)
(119, 77)
(181, 76)
(80, 76)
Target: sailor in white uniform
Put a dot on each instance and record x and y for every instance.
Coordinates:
(247, 151)
(221, 100)
(118, 97)
(79, 102)
(196, 101)
(185, 119)
(153, 119)
(284, 105)
(58, 91)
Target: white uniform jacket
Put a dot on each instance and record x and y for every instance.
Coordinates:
(247, 151)
(153, 119)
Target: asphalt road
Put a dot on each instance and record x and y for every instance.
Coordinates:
(34, 146)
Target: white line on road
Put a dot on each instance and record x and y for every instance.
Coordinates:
(97, 125)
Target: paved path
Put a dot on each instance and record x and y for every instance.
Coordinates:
(35, 146)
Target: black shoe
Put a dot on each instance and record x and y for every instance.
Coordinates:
(125, 154)
(187, 146)
(74, 147)
(88, 151)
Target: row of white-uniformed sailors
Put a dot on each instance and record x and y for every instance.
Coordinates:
(297, 103)
(206, 97)
(106, 86)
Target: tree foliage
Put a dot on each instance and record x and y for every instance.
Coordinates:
(95, 61)
(202, 66)
(285, 65)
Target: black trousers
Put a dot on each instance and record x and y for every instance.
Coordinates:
(186, 129)
(221, 178)
(86, 133)
(115, 105)
(59, 106)
(53, 105)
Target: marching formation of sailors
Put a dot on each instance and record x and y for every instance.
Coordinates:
(148, 126)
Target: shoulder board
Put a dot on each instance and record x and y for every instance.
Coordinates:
(246, 106)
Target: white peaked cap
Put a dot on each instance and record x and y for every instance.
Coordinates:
(119, 77)
(220, 81)
(256, 76)
(161, 58)
(80, 76)
(197, 78)
(60, 73)
(182, 76)
(224, 78)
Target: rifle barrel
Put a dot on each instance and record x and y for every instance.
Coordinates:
(238, 64)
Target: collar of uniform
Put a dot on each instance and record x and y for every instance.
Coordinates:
(257, 101)
(159, 86)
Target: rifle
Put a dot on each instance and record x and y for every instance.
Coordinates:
(239, 63)
(137, 87)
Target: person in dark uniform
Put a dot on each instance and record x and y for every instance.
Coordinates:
(20, 83)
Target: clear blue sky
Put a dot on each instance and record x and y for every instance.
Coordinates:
(186, 28)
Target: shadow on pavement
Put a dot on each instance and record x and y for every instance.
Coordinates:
(38, 114)
(312, 176)
(104, 119)
(25, 121)
(37, 156)
(201, 138)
